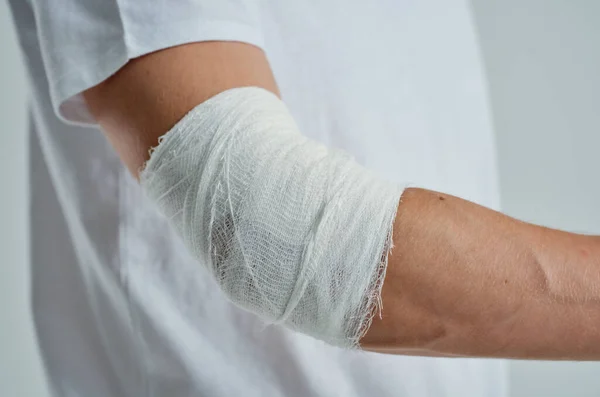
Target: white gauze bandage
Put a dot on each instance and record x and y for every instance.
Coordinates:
(292, 231)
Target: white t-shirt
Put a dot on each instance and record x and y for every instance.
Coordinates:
(120, 308)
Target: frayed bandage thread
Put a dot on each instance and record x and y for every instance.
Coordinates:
(292, 231)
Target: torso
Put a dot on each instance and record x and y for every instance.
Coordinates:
(122, 310)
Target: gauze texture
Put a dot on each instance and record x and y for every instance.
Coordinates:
(291, 230)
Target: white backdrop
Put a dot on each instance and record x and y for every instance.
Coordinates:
(20, 369)
(543, 64)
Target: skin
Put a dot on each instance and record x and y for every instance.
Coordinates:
(146, 97)
(462, 280)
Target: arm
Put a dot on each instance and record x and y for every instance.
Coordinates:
(150, 94)
(468, 281)
(461, 280)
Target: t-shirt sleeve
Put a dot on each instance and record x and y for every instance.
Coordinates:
(83, 42)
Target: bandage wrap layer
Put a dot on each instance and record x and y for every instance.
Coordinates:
(292, 231)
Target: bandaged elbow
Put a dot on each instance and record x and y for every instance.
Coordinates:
(292, 231)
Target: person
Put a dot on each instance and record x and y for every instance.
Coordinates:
(121, 302)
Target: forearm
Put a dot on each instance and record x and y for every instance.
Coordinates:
(465, 280)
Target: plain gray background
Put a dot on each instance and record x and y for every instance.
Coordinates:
(543, 66)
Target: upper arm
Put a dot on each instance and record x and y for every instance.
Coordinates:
(147, 96)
